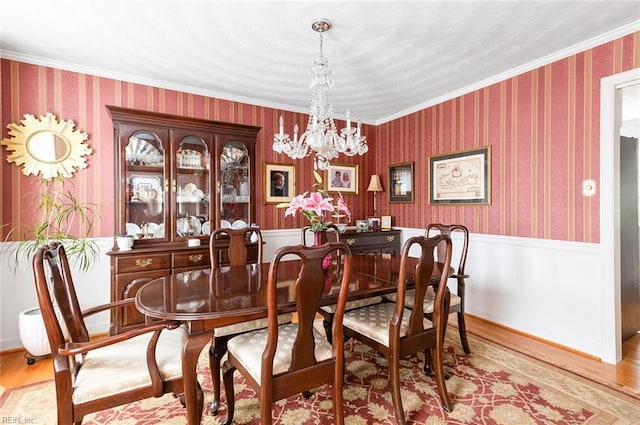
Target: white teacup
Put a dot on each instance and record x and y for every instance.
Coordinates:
(125, 243)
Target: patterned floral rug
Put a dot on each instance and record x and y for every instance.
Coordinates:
(492, 385)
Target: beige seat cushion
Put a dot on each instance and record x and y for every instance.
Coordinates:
(353, 304)
(248, 348)
(251, 325)
(123, 366)
(429, 297)
(373, 321)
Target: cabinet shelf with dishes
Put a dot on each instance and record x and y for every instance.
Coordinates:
(174, 179)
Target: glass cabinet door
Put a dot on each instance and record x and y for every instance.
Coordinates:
(193, 187)
(144, 192)
(235, 183)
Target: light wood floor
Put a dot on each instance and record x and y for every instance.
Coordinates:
(15, 372)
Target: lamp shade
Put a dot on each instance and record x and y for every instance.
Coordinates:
(374, 184)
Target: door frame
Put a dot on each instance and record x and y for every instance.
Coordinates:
(610, 119)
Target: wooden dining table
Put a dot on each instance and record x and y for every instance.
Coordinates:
(207, 299)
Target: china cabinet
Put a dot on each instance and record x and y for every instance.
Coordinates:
(176, 179)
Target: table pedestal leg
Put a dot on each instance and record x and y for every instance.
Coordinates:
(191, 352)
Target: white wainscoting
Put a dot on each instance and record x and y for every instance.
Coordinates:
(550, 289)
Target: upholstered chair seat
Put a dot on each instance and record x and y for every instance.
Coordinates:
(251, 325)
(248, 349)
(123, 367)
(353, 304)
(373, 321)
(429, 297)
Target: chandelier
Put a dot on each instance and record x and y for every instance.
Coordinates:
(321, 136)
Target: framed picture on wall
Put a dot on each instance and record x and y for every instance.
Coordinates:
(461, 177)
(342, 178)
(401, 182)
(279, 183)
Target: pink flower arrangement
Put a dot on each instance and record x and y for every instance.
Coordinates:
(317, 206)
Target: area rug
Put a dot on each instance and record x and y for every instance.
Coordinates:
(492, 385)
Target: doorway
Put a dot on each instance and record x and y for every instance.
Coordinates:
(610, 122)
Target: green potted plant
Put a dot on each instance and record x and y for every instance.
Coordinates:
(60, 217)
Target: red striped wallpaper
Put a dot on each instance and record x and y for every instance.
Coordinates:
(542, 126)
(543, 129)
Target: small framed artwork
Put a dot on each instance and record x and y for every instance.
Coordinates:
(461, 177)
(279, 183)
(374, 223)
(342, 178)
(385, 222)
(401, 182)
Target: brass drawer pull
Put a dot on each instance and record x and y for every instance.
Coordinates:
(391, 238)
(350, 241)
(144, 262)
(195, 258)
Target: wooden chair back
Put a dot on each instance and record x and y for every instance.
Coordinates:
(233, 243)
(458, 300)
(54, 286)
(331, 234)
(449, 230)
(422, 281)
(309, 288)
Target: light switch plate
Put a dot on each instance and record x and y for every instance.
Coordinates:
(589, 187)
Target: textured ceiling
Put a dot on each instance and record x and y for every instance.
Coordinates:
(388, 58)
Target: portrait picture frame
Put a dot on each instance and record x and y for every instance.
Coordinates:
(401, 182)
(374, 222)
(462, 177)
(271, 192)
(348, 181)
(385, 222)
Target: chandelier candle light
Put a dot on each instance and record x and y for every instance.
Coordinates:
(321, 135)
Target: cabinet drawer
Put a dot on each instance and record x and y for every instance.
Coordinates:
(371, 242)
(191, 259)
(141, 263)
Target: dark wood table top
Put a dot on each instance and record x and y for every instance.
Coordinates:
(234, 294)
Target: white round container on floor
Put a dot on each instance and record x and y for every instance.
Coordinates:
(33, 333)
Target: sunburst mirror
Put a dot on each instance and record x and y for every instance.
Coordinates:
(46, 146)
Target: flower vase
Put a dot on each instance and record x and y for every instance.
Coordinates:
(317, 238)
(317, 241)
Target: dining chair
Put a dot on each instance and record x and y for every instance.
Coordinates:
(457, 299)
(396, 331)
(95, 375)
(227, 245)
(332, 234)
(286, 359)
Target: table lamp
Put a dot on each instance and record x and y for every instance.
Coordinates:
(375, 187)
